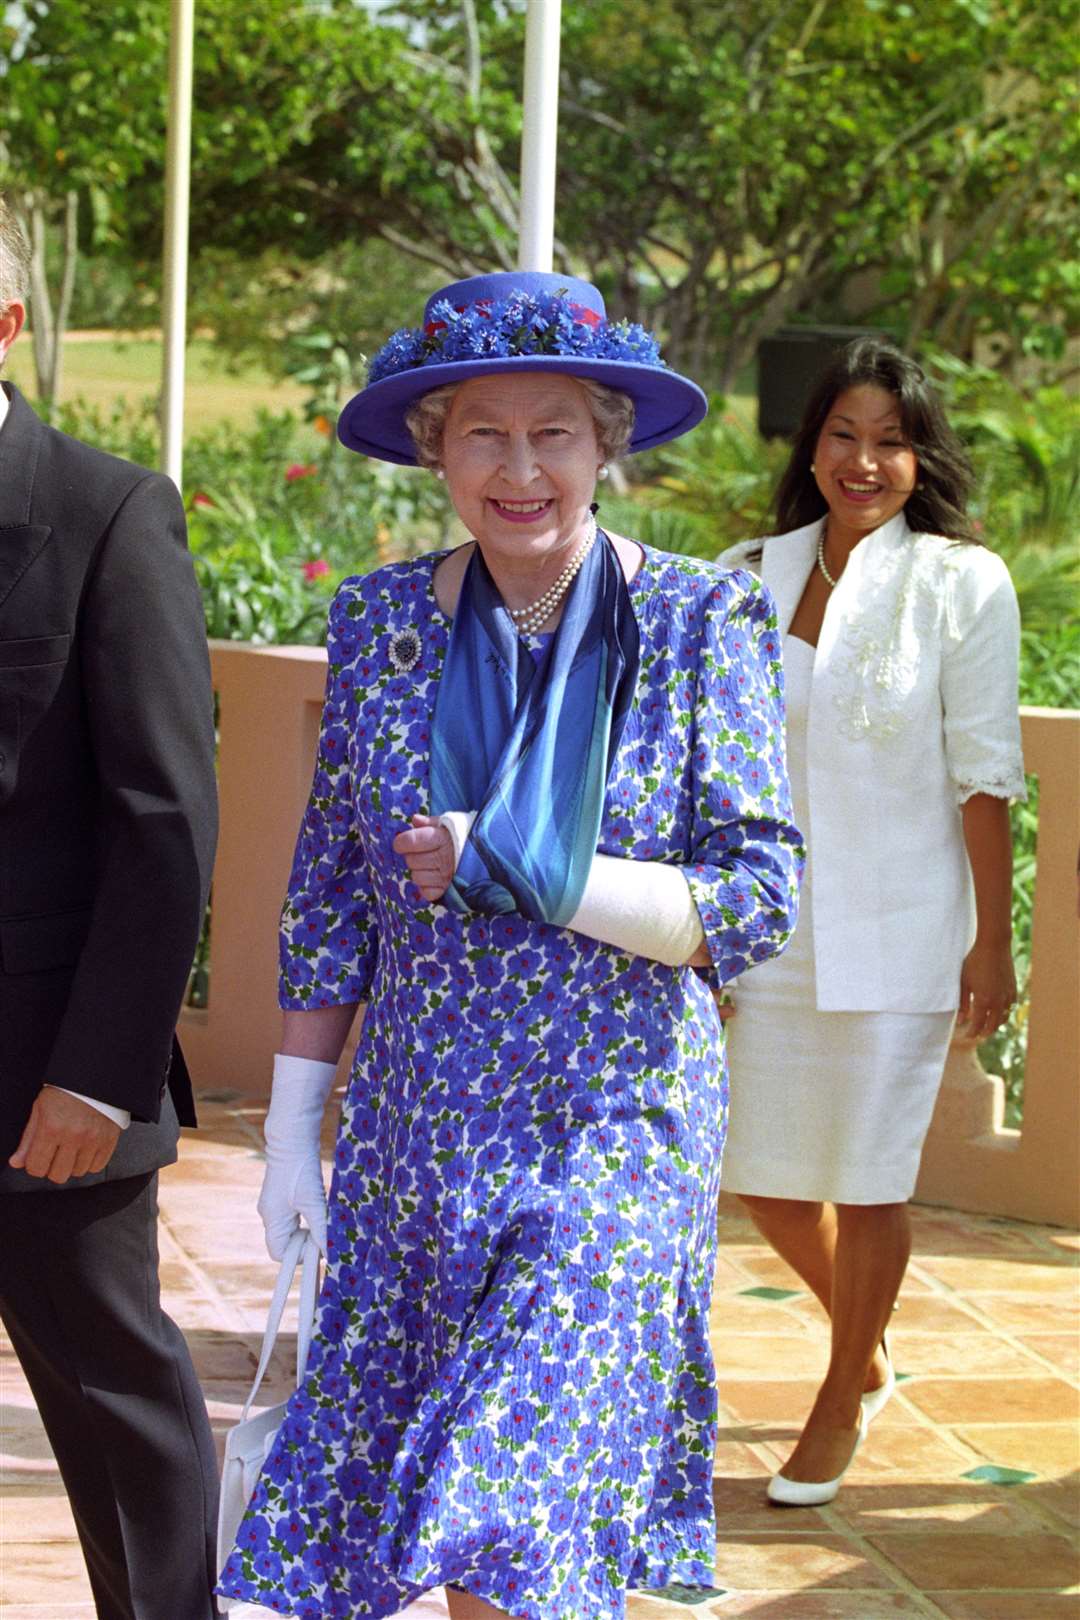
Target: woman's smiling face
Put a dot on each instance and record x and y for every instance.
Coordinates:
(521, 458)
(863, 464)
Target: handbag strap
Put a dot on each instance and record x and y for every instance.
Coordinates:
(301, 1250)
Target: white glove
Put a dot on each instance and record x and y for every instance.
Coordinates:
(293, 1183)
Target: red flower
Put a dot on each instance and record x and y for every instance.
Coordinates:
(300, 470)
(199, 499)
(316, 569)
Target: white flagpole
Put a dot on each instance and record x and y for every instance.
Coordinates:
(539, 135)
(177, 207)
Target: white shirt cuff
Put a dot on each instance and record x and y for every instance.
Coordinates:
(119, 1116)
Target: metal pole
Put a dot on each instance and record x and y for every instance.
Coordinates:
(539, 135)
(177, 203)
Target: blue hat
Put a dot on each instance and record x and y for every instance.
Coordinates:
(516, 320)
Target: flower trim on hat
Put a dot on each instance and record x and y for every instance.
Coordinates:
(499, 328)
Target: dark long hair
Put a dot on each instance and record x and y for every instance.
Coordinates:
(945, 475)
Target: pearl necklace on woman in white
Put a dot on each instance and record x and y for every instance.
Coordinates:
(527, 620)
(821, 562)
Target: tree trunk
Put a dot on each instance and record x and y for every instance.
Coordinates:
(41, 313)
(48, 325)
(67, 288)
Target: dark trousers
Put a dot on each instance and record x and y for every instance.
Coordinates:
(117, 1393)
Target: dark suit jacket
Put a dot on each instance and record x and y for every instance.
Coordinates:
(108, 810)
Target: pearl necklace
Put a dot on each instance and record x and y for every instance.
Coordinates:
(821, 562)
(527, 620)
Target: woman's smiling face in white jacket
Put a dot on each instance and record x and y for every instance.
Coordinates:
(863, 464)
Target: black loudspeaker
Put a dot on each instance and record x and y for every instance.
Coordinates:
(789, 365)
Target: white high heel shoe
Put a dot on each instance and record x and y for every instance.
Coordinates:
(875, 1399)
(813, 1492)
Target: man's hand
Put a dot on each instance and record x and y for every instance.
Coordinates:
(429, 854)
(64, 1137)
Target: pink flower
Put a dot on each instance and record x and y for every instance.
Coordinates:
(199, 499)
(316, 569)
(300, 470)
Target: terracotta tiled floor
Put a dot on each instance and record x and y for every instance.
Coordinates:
(986, 1340)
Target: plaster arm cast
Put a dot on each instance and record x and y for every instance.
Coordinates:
(642, 907)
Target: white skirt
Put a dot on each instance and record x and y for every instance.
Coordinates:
(824, 1105)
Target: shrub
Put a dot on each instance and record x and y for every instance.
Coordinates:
(278, 514)
(702, 493)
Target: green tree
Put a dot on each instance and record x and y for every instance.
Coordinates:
(314, 125)
(82, 115)
(725, 165)
(729, 167)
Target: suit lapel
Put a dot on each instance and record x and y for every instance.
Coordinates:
(20, 546)
(786, 561)
(21, 541)
(20, 444)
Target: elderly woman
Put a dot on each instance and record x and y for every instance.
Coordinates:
(901, 637)
(550, 781)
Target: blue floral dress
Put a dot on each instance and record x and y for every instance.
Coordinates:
(511, 1388)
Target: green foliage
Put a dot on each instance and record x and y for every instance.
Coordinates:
(274, 529)
(663, 527)
(1026, 448)
(253, 584)
(278, 515)
(721, 477)
(733, 166)
(84, 99)
(316, 328)
(121, 430)
(723, 169)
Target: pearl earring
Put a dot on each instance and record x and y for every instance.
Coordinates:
(813, 466)
(438, 472)
(602, 471)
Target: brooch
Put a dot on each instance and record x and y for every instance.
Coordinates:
(405, 651)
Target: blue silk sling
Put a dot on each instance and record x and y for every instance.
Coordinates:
(527, 739)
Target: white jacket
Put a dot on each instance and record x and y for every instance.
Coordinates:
(913, 708)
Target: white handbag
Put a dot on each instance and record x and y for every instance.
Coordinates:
(248, 1442)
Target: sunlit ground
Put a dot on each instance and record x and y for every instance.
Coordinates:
(962, 1505)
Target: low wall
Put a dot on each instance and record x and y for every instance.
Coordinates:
(971, 1161)
(270, 699)
(269, 703)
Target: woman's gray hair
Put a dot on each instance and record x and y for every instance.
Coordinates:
(612, 414)
(426, 421)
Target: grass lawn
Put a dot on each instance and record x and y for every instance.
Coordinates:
(102, 369)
